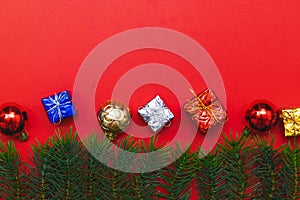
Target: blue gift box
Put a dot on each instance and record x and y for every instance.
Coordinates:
(58, 107)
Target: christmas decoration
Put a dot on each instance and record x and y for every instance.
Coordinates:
(261, 117)
(13, 120)
(291, 121)
(156, 114)
(238, 168)
(206, 110)
(58, 107)
(113, 117)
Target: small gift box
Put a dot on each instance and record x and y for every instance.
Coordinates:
(206, 110)
(156, 114)
(58, 107)
(291, 121)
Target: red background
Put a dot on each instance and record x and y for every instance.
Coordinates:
(255, 45)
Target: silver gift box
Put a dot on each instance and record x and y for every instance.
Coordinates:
(156, 114)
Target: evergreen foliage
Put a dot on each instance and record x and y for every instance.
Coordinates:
(237, 165)
(176, 179)
(290, 172)
(210, 177)
(57, 171)
(11, 173)
(240, 167)
(266, 170)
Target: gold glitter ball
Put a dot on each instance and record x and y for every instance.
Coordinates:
(114, 117)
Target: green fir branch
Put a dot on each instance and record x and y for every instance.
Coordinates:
(66, 162)
(210, 176)
(145, 182)
(63, 168)
(176, 179)
(115, 183)
(266, 170)
(98, 154)
(37, 181)
(11, 173)
(237, 166)
(290, 172)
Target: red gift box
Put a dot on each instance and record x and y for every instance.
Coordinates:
(206, 110)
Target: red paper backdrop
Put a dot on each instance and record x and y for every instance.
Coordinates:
(255, 45)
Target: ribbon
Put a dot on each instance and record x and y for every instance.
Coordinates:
(195, 107)
(57, 106)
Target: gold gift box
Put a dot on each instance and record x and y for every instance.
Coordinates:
(291, 121)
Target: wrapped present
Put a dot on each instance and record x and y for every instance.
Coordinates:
(156, 114)
(58, 107)
(206, 110)
(291, 121)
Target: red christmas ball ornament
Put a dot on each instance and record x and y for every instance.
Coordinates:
(261, 117)
(13, 120)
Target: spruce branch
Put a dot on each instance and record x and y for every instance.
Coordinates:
(237, 165)
(176, 179)
(210, 176)
(37, 180)
(290, 172)
(11, 173)
(98, 154)
(266, 170)
(65, 167)
(116, 183)
(144, 184)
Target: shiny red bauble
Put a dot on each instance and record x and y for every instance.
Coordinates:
(261, 117)
(13, 120)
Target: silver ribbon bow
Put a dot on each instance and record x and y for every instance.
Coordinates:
(56, 101)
